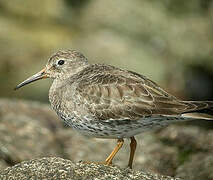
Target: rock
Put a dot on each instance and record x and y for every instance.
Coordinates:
(199, 166)
(58, 168)
(26, 131)
(38, 112)
(187, 136)
(195, 152)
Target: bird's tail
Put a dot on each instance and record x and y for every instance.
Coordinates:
(198, 110)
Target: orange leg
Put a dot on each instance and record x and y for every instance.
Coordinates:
(108, 161)
(133, 146)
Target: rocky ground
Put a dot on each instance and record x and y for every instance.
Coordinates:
(30, 130)
(58, 168)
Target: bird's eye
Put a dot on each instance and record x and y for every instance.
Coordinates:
(60, 62)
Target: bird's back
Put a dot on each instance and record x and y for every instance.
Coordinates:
(107, 92)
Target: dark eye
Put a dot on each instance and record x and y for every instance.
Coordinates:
(60, 62)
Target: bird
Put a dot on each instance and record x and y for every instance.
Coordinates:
(103, 101)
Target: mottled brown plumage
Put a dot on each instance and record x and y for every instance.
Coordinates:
(108, 102)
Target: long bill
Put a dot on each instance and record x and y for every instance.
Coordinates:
(40, 75)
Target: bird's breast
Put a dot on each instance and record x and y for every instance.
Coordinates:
(62, 101)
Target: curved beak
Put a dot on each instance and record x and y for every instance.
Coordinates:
(40, 75)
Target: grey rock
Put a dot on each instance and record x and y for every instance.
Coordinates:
(195, 152)
(58, 168)
(188, 136)
(26, 131)
(199, 166)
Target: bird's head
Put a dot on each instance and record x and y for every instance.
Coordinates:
(60, 65)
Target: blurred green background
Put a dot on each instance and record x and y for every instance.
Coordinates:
(171, 42)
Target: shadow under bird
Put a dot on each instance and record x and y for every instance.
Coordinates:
(103, 101)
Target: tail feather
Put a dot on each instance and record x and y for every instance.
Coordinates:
(198, 110)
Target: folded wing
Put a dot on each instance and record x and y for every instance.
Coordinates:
(127, 95)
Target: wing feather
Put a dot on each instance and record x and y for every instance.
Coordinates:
(113, 93)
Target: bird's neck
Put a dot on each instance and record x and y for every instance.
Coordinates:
(54, 94)
(71, 73)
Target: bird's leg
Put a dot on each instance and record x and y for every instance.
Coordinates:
(133, 146)
(120, 142)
